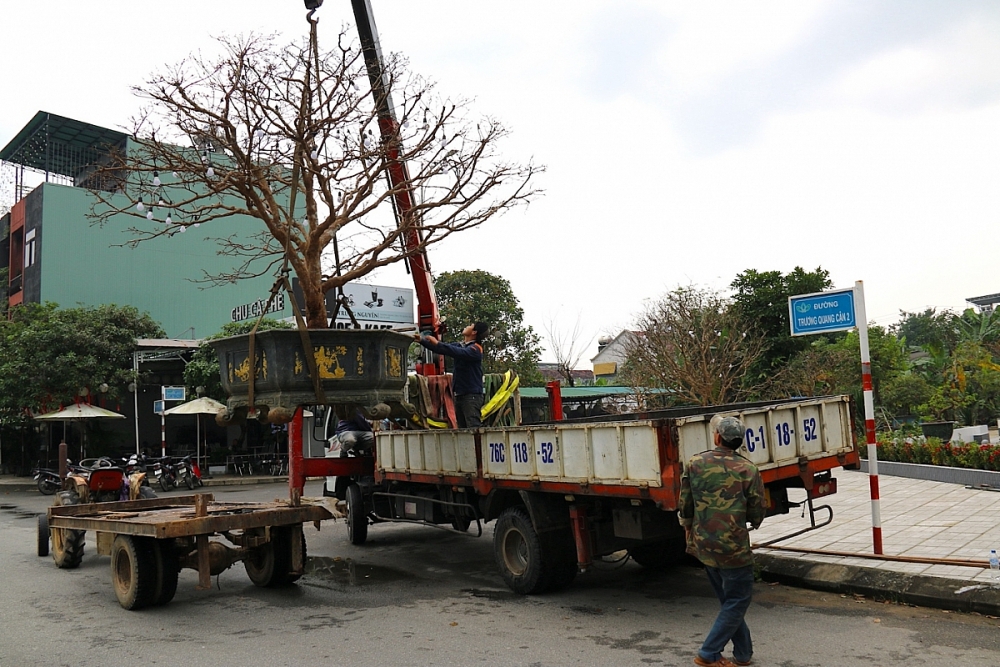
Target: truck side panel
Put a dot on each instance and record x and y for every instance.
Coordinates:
(779, 437)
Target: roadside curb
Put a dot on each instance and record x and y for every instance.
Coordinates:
(242, 481)
(12, 485)
(8, 487)
(921, 590)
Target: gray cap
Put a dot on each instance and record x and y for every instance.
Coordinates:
(731, 429)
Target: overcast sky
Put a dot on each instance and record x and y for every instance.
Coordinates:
(685, 142)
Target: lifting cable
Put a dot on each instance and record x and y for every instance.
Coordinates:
(282, 279)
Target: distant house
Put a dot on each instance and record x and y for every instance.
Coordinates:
(986, 303)
(611, 354)
(551, 372)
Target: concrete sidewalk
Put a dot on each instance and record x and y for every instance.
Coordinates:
(920, 518)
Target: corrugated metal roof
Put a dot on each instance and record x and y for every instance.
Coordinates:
(30, 147)
(593, 393)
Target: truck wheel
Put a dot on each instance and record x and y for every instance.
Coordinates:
(167, 568)
(133, 571)
(461, 524)
(43, 535)
(357, 516)
(659, 555)
(518, 552)
(560, 552)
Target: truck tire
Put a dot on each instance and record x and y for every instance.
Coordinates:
(519, 553)
(660, 555)
(270, 564)
(560, 550)
(167, 569)
(357, 515)
(43, 535)
(133, 570)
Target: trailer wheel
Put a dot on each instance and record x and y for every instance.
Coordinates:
(357, 515)
(133, 571)
(659, 555)
(519, 553)
(270, 564)
(43, 535)
(167, 568)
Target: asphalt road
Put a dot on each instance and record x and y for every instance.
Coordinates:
(420, 596)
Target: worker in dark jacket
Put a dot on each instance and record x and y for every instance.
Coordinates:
(721, 492)
(467, 378)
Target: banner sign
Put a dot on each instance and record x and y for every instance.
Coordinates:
(374, 306)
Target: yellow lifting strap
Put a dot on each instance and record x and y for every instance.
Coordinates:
(502, 395)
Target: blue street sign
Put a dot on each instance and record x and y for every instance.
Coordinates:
(173, 393)
(158, 407)
(822, 312)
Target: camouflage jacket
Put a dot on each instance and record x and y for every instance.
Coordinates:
(720, 493)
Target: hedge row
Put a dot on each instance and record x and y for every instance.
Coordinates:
(935, 452)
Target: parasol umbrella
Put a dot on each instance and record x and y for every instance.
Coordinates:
(79, 412)
(199, 406)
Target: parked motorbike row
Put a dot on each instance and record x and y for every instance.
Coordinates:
(168, 472)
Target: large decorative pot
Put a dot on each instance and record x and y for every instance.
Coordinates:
(364, 368)
(941, 430)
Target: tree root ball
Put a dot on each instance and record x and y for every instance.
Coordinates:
(278, 415)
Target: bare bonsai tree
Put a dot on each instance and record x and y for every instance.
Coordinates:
(567, 347)
(694, 345)
(290, 136)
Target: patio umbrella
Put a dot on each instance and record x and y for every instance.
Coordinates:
(79, 412)
(199, 406)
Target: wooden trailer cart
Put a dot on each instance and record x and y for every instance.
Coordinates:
(151, 540)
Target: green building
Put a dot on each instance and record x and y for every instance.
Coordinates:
(54, 252)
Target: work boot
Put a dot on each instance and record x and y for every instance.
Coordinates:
(721, 662)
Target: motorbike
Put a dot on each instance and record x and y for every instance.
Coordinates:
(164, 473)
(187, 472)
(195, 470)
(48, 480)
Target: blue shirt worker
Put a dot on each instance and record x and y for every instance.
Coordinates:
(467, 377)
(721, 492)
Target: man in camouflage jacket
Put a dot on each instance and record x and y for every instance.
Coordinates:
(721, 492)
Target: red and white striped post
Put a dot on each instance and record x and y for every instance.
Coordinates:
(866, 384)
